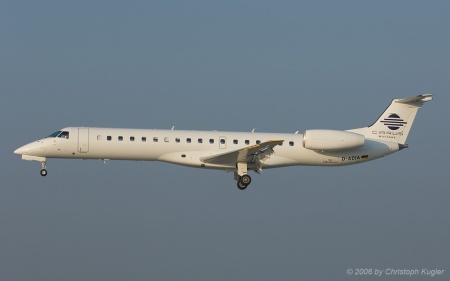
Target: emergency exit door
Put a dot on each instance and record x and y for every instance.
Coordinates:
(83, 140)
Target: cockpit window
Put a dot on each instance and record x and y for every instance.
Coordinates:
(54, 135)
(60, 134)
(64, 135)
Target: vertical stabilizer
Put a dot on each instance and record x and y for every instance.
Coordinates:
(396, 121)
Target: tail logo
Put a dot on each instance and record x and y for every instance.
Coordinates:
(393, 122)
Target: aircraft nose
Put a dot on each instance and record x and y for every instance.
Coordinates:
(28, 149)
(21, 150)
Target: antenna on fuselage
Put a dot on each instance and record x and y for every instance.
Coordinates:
(253, 130)
(173, 127)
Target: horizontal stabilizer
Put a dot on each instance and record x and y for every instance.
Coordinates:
(417, 100)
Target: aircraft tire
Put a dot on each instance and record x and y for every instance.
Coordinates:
(43, 172)
(246, 179)
(241, 185)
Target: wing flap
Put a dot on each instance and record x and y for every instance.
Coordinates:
(255, 154)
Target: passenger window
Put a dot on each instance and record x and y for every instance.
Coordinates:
(235, 141)
(211, 141)
(166, 139)
(131, 138)
(258, 142)
(177, 140)
(291, 143)
(188, 140)
(99, 137)
(120, 138)
(200, 140)
(247, 142)
(109, 138)
(144, 139)
(222, 141)
(155, 139)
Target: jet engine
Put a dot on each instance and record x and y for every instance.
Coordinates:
(331, 140)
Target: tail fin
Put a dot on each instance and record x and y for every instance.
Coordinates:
(396, 121)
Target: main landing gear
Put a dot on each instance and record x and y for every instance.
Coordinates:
(243, 182)
(44, 170)
(241, 176)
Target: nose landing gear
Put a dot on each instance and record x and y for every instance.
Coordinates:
(44, 170)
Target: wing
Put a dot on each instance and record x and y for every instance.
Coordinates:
(254, 155)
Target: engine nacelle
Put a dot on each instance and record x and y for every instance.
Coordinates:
(331, 140)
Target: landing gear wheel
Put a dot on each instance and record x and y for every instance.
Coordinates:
(241, 185)
(246, 179)
(43, 172)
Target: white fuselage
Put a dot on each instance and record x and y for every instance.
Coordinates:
(238, 152)
(188, 147)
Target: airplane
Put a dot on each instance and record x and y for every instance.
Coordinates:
(238, 152)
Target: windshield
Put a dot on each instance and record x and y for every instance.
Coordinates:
(54, 135)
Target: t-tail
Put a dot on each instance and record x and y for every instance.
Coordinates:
(396, 121)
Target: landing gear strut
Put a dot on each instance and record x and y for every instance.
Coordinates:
(43, 170)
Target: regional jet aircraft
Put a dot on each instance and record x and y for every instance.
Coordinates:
(237, 152)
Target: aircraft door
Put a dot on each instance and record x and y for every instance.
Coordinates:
(83, 140)
(223, 142)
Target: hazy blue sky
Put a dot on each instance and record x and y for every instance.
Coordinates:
(278, 66)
